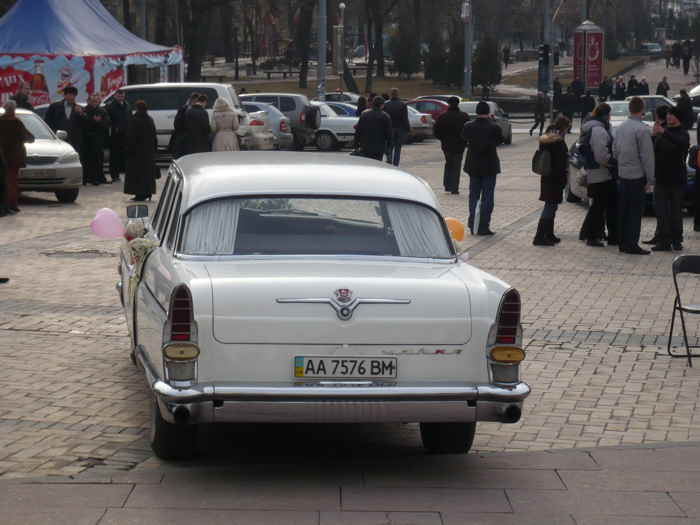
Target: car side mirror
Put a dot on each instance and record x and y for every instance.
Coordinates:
(137, 211)
(62, 134)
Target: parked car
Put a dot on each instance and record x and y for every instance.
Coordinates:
(342, 109)
(499, 116)
(619, 112)
(435, 108)
(304, 288)
(335, 132)
(574, 192)
(421, 125)
(304, 119)
(52, 164)
(277, 122)
(164, 99)
(651, 48)
(343, 96)
(443, 98)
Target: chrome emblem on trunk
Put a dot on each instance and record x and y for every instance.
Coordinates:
(342, 302)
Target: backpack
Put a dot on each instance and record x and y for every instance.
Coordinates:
(542, 162)
(586, 152)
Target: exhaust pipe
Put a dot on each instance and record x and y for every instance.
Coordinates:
(511, 414)
(181, 414)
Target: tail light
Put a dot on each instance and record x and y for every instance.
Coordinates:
(283, 126)
(505, 339)
(256, 122)
(424, 119)
(302, 117)
(180, 349)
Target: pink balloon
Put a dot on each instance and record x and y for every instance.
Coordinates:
(107, 225)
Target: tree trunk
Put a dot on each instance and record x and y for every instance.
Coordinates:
(303, 41)
(162, 23)
(196, 38)
(126, 12)
(379, 38)
(369, 84)
(227, 31)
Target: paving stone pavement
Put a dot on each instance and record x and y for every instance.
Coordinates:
(595, 325)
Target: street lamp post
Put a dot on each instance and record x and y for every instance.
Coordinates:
(468, 44)
(322, 44)
(340, 45)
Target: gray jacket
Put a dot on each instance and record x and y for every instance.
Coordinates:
(634, 151)
(601, 143)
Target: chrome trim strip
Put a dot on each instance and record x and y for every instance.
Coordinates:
(344, 311)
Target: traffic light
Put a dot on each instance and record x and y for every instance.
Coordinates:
(543, 54)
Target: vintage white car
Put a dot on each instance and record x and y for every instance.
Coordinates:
(335, 132)
(307, 288)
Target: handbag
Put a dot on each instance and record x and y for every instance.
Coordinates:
(542, 162)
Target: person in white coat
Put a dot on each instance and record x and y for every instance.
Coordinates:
(224, 125)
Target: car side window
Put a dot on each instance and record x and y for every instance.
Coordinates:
(159, 208)
(167, 208)
(287, 104)
(268, 100)
(173, 223)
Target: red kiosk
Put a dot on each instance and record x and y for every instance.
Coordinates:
(589, 54)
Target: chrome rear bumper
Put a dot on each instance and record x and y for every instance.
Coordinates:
(305, 403)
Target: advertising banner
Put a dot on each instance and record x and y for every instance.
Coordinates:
(594, 59)
(48, 75)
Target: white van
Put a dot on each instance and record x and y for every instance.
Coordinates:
(164, 99)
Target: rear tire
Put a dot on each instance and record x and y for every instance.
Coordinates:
(326, 141)
(67, 196)
(169, 440)
(447, 438)
(509, 138)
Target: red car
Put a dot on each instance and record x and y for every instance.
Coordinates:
(431, 106)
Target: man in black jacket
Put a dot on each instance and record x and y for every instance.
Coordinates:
(448, 130)
(671, 149)
(400, 127)
(96, 127)
(119, 113)
(177, 139)
(197, 128)
(541, 108)
(482, 165)
(21, 98)
(374, 130)
(67, 115)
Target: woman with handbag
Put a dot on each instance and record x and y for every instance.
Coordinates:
(597, 141)
(553, 179)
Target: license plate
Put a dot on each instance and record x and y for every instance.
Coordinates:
(345, 367)
(37, 174)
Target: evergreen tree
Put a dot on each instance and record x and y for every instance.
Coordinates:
(486, 65)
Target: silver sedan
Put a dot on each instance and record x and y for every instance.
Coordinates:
(52, 164)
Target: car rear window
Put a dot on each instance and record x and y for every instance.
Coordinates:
(287, 104)
(314, 226)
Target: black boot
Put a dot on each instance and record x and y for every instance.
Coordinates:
(550, 232)
(542, 237)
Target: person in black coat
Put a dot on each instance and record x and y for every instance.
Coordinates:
(197, 128)
(374, 130)
(448, 130)
(400, 126)
(119, 113)
(663, 88)
(21, 98)
(96, 127)
(67, 115)
(482, 165)
(141, 147)
(552, 184)
(671, 146)
(176, 145)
